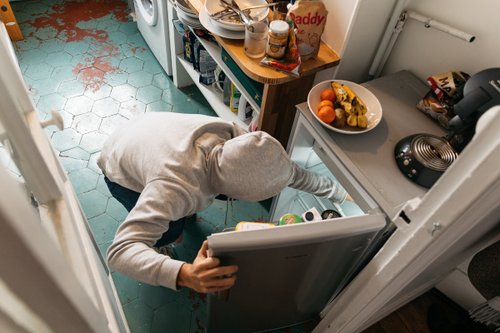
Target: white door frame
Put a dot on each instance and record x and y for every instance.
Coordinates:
(50, 263)
(34, 269)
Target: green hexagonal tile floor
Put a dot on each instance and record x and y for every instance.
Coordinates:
(98, 72)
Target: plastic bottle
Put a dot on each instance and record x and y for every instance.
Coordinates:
(244, 109)
(226, 94)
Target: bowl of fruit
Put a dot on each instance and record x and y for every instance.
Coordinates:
(344, 106)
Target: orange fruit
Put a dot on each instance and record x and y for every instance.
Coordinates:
(325, 103)
(326, 113)
(328, 94)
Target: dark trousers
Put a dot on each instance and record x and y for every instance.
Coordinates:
(128, 199)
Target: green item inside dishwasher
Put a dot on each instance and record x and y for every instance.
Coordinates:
(290, 219)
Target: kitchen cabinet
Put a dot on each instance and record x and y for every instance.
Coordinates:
(406, 237)
(281, 91)
(365, 167)
(365, 163)
(430, 231)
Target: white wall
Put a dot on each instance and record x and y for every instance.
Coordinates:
(426, 51)
(364, 36)
(340, 16)
(337, 29)
(353, 30)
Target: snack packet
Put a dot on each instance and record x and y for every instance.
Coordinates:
(448, 84)
(432, 106)
(309, 16)
(290, 63)
(446, 91)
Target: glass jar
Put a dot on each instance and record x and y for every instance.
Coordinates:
(280, 11)
(278, 39)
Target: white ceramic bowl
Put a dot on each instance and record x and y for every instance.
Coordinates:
(373, 113)
(188, 20)
(259, 14)
(209, 25)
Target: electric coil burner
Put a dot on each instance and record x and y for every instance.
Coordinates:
(424, 157)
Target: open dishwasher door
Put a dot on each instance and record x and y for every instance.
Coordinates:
(287, 274)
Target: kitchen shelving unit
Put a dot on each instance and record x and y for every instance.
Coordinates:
(281, 91)
(212, 94)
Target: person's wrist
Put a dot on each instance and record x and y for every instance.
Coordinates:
(183, 276)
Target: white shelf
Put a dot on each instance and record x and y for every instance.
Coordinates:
(184, 74)
(215, 52)
(213, 96)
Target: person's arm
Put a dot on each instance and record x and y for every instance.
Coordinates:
(316, 184)
(205, 274)
(131, 252)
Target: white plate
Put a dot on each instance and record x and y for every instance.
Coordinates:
(189, 21)
(258, 14)
(373, 113)
(208, 23)
(182, 5)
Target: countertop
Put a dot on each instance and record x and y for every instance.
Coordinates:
(370, 156)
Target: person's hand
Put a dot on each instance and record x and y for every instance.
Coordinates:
(205, 275)
(346, 198)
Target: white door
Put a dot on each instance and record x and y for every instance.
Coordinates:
(52, 277)
(452, 221)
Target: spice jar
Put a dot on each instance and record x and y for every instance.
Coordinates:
(278, 39)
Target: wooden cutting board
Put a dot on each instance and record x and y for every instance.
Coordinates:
(8, 18)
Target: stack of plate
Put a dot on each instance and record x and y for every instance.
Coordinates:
(186, 15)
(228, 26)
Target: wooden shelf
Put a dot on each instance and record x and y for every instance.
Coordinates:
(326, 58)
(213, 96)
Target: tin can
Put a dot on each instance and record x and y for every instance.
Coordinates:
(278, 39)
(330, 214)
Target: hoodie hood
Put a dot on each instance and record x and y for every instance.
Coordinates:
(251, 167)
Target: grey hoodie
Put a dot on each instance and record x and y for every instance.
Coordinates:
(179, 163)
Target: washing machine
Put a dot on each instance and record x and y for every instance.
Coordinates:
(152, 21)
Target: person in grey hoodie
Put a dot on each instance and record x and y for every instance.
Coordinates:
(177, 164)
